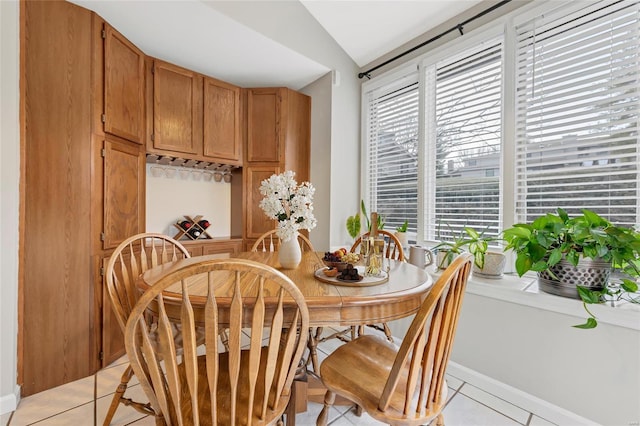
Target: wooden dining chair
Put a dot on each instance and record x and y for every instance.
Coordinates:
(392, 250)
(250, 383)
(270, 242)
(129, 260)
(402, 385)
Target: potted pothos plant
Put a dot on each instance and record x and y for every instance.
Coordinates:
(467, 239)
(574, 257)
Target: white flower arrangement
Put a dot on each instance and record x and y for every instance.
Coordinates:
(291, 205)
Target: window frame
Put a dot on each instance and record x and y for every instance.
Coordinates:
(502, 26)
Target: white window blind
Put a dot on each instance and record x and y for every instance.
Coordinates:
(464, 128)
(392, 152)
(578, 109)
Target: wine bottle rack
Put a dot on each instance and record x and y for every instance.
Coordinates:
(186, 233)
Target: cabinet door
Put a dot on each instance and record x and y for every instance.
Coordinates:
(175, 110)
(223, 249)
(221, 121)
(123, 87)
(112, 335)
(194, 249)
(265, 121)
(257, 222)
(124, 174)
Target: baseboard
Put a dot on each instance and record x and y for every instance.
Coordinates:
(9, 402)
(519, 398)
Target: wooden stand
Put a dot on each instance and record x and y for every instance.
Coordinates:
(182, 232)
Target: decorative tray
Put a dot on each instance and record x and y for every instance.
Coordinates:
(364, 282)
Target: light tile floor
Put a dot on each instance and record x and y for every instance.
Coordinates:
(85, 402)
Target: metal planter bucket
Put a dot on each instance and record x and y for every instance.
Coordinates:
(591, 273)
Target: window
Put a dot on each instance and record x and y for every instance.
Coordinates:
(577, 112)
(463, 140)
(391, 163)
(443, 147)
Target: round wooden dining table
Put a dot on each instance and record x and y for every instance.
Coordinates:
(334, 304)
(330, 303)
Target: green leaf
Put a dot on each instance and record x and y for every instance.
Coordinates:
(563, 215)
(517, 232)
(629, 286)
(593, 219)
(540, 265)
(353, 225)
(591, 323)
(554, 257)
(536, 251)
(471, 232)
(588, 296)
(366, 215)
(523, 264)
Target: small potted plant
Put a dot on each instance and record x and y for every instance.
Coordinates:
(401, 233)
(574, 257)
(486, 263)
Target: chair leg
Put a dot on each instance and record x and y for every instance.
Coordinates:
(387, 332)
(312, 344)
(224, 337)
(115, 401)
(439, 420)
(329, 399)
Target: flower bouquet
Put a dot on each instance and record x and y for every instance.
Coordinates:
(289, 203)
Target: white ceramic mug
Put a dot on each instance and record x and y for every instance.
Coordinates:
(420, 256)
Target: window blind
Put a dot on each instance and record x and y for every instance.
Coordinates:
(577, 112)
(464, 121)
(392, 152)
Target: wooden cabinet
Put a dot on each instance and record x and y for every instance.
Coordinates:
(124, 186)
(191, 116)
(221, 133)
(265, 120)
(176, 109)
(84, 184)
(112, 337)
(55, 312)
(222, 247)
(123, 87)
(256, 222)
(278, 139)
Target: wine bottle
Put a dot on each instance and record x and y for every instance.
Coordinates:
(194, 233)
(204, 224)
(185, 225)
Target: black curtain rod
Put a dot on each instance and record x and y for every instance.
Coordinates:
(459, 27)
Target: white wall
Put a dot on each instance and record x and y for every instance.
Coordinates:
(321, 93)
(593, 373)
(10, 172)
(290, 24)
(169, 199)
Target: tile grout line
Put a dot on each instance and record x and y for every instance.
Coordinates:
(493, 409)
(95, 403)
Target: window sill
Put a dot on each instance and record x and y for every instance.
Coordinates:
(524, 291)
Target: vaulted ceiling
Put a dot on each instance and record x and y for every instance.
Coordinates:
(223, 39)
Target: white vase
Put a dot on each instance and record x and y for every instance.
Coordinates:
(289, 253)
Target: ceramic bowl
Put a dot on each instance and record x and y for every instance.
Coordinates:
(340, 266)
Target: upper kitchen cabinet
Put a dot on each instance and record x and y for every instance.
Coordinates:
(278, 129)
(175, 116)
(123, 87)
(278, 139)
(265, 125)
(221, 123)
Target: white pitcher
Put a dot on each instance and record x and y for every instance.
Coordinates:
(420, 256)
